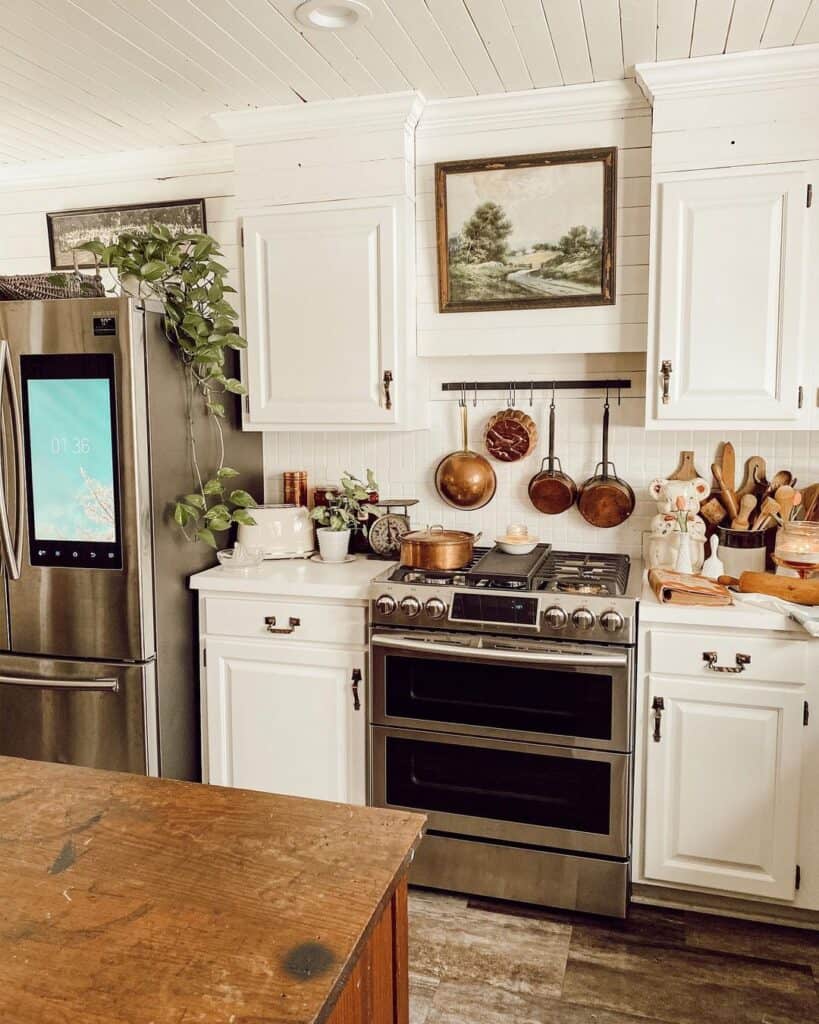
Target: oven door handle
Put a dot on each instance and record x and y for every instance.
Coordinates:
(610, 660)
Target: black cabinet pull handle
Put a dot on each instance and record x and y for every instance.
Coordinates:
(657, 706)
(270, 625)
(356, 681)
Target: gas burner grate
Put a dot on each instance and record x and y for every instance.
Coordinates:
(437, 577)
(573, 572)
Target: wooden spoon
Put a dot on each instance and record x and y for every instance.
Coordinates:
(728, 464)
(726, 494)
(768, 510)
(746, 506)
(785, 498)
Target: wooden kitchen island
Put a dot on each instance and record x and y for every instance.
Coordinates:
(126, 900)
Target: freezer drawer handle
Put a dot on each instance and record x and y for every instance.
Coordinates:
(270, 624)
(103, 683)
(12, 549)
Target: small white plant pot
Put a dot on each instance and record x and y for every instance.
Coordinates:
(333, 544)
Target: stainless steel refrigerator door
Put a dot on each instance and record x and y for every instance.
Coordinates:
(95, 714)
(104, 614)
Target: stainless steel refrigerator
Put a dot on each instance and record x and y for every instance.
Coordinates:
(98, 638)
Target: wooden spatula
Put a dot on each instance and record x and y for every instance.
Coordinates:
(728, 465)
(746, 506)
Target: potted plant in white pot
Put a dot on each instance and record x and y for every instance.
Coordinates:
(344, 513)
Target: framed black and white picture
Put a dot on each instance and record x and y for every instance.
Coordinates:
(526, 231)
(71, 228)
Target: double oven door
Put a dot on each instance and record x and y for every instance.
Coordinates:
(505, 739)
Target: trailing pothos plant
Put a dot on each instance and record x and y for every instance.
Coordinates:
(183, 272)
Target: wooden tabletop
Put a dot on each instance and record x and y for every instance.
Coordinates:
(126, 900)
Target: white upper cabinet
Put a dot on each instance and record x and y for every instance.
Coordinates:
(734, 246)
(729, 279)
(325, 192)
(326, 314)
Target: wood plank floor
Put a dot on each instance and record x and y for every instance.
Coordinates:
(481, 962)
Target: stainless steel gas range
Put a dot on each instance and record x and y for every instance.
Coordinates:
(502, 705)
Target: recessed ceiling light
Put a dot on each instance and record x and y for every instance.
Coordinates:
(332, 15)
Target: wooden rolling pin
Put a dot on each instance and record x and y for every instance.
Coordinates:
(788, 588)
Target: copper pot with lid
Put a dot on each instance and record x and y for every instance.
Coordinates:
(437, 549)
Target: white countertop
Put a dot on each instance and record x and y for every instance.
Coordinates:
(736, 616)
(301, 577)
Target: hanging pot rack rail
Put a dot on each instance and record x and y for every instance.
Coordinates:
(465, 387)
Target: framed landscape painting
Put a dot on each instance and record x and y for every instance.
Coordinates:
(70, 228)
(526, 231)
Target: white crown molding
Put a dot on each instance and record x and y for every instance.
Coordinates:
(322, 118)
(730, 72)
(533, 107)
(103, 168)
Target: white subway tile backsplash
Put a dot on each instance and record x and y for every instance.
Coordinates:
(405, 465)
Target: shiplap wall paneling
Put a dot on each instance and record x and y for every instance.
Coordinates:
(565, 18)
(617, 328)
(638, 26)
(535, 41)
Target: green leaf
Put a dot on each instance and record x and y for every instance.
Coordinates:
(226, 472)
(207, 536)
(180, 514)
(237, 342)
(153, 270)
(235, 387)
(196, 500)
(220, 524)
(213, 487)
(203, 247)
(216, 408)
(242, 516)
(242, 499)
(220, 511)
(95, 246)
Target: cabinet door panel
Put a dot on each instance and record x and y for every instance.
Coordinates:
(722, 787)
(285, 721)
(322, 313)
(730, 291)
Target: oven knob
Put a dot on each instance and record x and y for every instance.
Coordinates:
(583, 618)
(385, 604)
(435, 608)
(556, 617)
(410, 606)
(611, 621)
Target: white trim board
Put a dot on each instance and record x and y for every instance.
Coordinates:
(730, 72)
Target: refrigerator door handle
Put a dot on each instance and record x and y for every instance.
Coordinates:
(102, 683)
(12, 550)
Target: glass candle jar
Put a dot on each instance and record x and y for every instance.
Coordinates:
(797, 547)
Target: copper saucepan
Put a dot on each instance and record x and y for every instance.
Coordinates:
(465, 479)
(551, 490)
(437, 549)
(605, 500)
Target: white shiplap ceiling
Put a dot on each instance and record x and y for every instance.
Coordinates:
(85, 76)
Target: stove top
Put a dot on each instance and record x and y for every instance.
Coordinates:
(560, 594)
(490, 568)
(572, 572)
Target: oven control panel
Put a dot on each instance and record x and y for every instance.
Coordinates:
(564, 617)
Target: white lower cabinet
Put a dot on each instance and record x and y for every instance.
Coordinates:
(723, 764)
(285, 718)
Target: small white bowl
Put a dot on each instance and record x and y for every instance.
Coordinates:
(516, 546)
